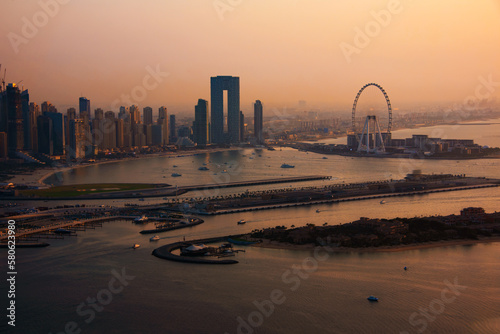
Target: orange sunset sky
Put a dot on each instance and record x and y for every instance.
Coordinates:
(424, 52)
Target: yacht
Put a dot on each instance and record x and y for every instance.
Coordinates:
(176, 174)
(141, 219)
(287, 166)
(241, 222)
(155, 238)
(62, 231)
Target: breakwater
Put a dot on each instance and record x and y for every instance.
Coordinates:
(165, 252)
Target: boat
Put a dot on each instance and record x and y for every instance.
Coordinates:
(287, 166)
(176, 175)
(383, 202)
(135, 246)
(62, 231)
(372, 299)
(203, 168)
(141, 199)
(155, 238)
(325, 158)
(318, 211)
(241, 222)
(141, 219)
(174, 166)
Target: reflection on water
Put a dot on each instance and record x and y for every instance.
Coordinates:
(328, 297)
(168, 297)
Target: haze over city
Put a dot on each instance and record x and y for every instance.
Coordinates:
(421, 52)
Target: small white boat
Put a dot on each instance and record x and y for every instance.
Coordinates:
(176, 175)
(135, 246)
(141, 219)
(372, 299)
(155, 238)
(383, 202)
(241, 222)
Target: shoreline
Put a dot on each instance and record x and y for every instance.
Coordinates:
(38, 176)
(383, 249)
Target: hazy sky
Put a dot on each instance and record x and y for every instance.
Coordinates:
(284, 51)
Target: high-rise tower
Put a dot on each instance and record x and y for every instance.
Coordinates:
(257, 122)
(200, 130)
(218, 122)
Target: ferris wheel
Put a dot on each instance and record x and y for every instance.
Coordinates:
(365, 139)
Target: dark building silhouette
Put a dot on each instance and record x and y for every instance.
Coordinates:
(218, 123)
(45, 141)
(11, 118)
(148, 115)
(258, 122)
(242, 126)
(200, 125)
(172, 129)
(84, 105)
(58, 139)
(25, 105)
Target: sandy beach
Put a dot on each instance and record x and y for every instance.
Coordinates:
(399, 248)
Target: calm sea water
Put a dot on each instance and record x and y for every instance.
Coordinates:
(330, 297)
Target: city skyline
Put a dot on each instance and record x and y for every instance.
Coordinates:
(323, 59)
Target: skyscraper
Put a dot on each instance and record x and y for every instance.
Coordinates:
(218, 85)
(172, 130)
(148, 115)
(34, 113)
(45, 141)
(77, 144)
(58, 138)
(25, 105)
(162, 112)
(71, 113)
(98, 113)
(200, 128)
(84, 105)
(258, 122)
(11, 118)
(163, 121)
